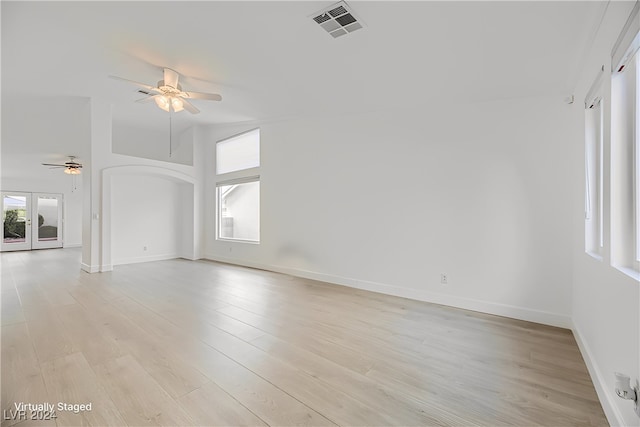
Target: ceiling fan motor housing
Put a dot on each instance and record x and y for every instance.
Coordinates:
(169, 89)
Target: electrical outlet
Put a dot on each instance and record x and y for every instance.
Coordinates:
(443, 278)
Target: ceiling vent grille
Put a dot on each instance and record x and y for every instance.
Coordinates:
(337, 19)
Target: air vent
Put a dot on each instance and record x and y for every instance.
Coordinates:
(340, 10)
(321, 18)
(337, 20)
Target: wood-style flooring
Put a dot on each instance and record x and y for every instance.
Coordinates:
(201, 343)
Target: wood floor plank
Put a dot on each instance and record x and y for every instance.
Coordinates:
(174, 375)
(210, 405)
(71, 380)
(404, 409)
(262, 398)
(357, 362)
(96, 346)
(48, 334)
(10, 307)
(340, 408)
(21, 376)
(138, 397)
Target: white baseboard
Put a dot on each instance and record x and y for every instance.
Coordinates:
(610, 409)
(514, 312)
(149, 258)
(89, 268)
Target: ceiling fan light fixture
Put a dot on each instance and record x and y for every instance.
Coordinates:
(72, 171)
(177, 104)
(162, 102)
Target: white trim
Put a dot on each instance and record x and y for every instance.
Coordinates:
(237, 135)
(72, 245)
(610, 409)
(505, 310)
(627, 43)
(594, 96)
(631, 272)
(89, 268)
(149, 258)
(242, 180)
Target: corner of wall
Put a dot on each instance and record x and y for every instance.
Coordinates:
(610, 409)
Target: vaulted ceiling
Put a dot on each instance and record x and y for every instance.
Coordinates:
(270, 60)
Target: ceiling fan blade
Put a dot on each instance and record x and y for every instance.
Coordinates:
(54, 164)
(146, 86)
(171, 78)
(189, 107)
(200, 95)
(147, 99)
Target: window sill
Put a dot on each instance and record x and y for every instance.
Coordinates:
(631, 272)
(594, 255)
(252, 242)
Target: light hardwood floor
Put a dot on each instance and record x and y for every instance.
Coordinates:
(202, 343)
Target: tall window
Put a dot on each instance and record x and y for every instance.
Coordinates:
(238, 187)
(637, 165)
(625, 145)
(594, 170)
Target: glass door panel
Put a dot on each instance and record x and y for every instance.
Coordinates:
(47, 214)
(16, 221)
(31, 221)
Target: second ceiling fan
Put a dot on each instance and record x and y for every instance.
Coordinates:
(168, 94)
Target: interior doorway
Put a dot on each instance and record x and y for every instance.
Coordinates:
(31, 221)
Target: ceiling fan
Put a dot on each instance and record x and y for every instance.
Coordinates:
(168, 93)
(71, 167)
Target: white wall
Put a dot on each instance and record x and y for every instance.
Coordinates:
(606, 302)
(388, 201)
(146, 218)
(153, 143)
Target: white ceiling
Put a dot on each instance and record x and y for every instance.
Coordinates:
(270, 60)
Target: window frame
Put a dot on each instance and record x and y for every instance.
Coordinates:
(625, 140)
(636, 167)
(594, 176)
(240, 176)
(219, 216)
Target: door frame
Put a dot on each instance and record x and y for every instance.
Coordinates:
(36, 243)
(32, 240)
(18, 246)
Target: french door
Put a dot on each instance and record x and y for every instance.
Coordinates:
(31, 221)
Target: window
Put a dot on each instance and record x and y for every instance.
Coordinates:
(637, 164)
(239, 152)
(238, 187)
(625, 159)
(239, 210)
(594, 170)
